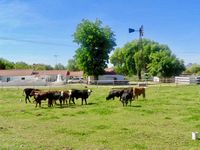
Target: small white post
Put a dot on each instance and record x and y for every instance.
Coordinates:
(194, 135)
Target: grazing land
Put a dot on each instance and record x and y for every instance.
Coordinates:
(164, 120)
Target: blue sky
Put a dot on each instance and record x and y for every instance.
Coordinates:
(51, 24)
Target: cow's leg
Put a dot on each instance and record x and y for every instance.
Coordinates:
(36, 104)
(50, 103)
(82, 101)
(27, 98)
(73, 101)
(67, 102)
(85, 101)
(60, 102)
(143, 95)
(39, 103)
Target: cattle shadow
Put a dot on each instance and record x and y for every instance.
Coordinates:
(91, 103)
(136, 106)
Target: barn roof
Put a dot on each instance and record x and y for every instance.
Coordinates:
(15, 72)
(29, 72)
(110, 71)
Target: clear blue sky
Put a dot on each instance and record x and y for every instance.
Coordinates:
(172, 22)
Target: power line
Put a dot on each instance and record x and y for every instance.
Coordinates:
(33, 41)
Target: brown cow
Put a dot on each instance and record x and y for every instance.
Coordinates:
(138, 91)
(39, 96)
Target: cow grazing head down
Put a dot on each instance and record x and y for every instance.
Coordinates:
(114, 93)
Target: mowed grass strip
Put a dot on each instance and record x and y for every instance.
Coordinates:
(164, 120)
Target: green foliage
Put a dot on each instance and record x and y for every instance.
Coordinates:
(164, 64)
(194, 69)
(123, 59)
(59, 66)
(96, 42)
(131, 59)
(71, 65)
(5, 64)
(41, 67)
(22, 65)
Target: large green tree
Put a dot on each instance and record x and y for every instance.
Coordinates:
(131, 59)
(165, 64)
(123, 59)
(95, 44)
(72, 65)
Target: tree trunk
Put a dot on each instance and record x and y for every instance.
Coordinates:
(139, 74)
(96, 79)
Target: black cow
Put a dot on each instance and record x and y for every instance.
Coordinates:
(127, 96)
(115, 93)
(57, 95)
(83, 94)
(27, 92)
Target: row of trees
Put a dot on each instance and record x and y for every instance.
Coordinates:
(193, 69)
(6, 64)
(96, 43)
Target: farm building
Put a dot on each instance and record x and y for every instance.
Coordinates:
(110, 77)
(187, 80)
(54, 77)
(35, 78)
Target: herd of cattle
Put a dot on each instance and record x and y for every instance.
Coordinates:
(125, 95)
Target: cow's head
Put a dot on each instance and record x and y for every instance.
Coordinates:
(70, 92)
(89, 91)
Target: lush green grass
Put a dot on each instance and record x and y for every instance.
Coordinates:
(164, 120)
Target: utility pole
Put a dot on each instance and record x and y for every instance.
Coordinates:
(56, 56)
(140, 47)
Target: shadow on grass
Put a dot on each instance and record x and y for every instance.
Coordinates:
(91, 103)
(137, 106)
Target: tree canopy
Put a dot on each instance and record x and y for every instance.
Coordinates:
(95, 44)
(193, 69)
(71, 65)
(153, 58)
(164, 64)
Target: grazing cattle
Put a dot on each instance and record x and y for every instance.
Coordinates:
(27, 92)
(138, 91)
(83, 94)
(127, 96)
(115, 93)
(62, 96)
(39, 96)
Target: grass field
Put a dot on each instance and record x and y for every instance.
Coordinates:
(164, 120)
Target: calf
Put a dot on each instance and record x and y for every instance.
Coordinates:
(115, 93)
(138, 91)
(83, 94)
(27, 92)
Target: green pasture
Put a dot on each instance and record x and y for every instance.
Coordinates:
(164, 120)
